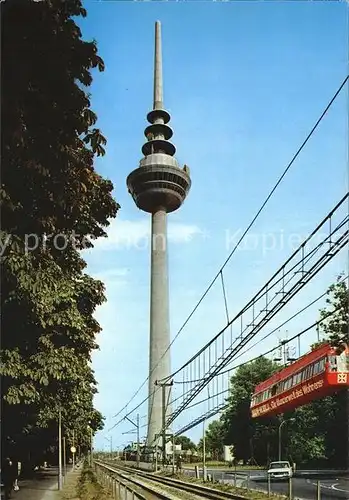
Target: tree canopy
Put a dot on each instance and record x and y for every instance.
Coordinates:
(214, 438)
(53, 204)
(336, 326)
(185, 442)
(251, 438)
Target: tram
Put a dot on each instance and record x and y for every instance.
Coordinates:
(314, 375)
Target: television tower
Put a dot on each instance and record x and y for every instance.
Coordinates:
(158, 186)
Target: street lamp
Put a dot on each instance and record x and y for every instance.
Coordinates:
(60, 475)
(280, 427)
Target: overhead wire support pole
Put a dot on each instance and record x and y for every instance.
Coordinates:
(110, 441)
(138, 449)
(163, 386)
(137, 430)
(173, 454)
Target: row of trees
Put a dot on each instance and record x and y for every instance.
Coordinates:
(316, 434)
(53, 204)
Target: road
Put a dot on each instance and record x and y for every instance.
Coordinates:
(332, 488)
(304, 488)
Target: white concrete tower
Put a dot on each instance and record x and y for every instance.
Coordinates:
(158, 186)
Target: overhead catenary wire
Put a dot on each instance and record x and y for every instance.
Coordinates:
(267, 287)
(314, 250)
(235, 367)
(238, 356)
(331, 254)
(269, 351)
(296, 336)
(268, 334)
(130, 412)
(222, 406)
(295, 156)
(335, 247)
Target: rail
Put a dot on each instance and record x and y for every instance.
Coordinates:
(198, 490)
(120, 485)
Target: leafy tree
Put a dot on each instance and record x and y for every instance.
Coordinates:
(320, 432)
(251, 438)
(185, 442)
(336, 326)
(53, 204)
(336, 329)
(303, 440)
(214, 439)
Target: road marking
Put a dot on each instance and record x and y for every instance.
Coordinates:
(338, 489)
(331, 487)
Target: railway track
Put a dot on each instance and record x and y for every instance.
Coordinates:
(123, 484)
(172, 487)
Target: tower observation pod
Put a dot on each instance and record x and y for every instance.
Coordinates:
(158, 186)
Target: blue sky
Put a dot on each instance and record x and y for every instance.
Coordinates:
(244, 83)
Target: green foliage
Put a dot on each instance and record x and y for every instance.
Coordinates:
(251, 438)
(53, 204)
(319, 433)
(187, 444)
(214, 439)
(303, 440)
(241, 493)
(336, 326)
(88, 487)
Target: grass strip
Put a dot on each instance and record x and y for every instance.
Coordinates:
(243, 492)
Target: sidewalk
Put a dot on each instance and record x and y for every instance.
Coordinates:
(45, 486)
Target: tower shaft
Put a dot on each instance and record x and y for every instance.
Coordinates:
(159, 353)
